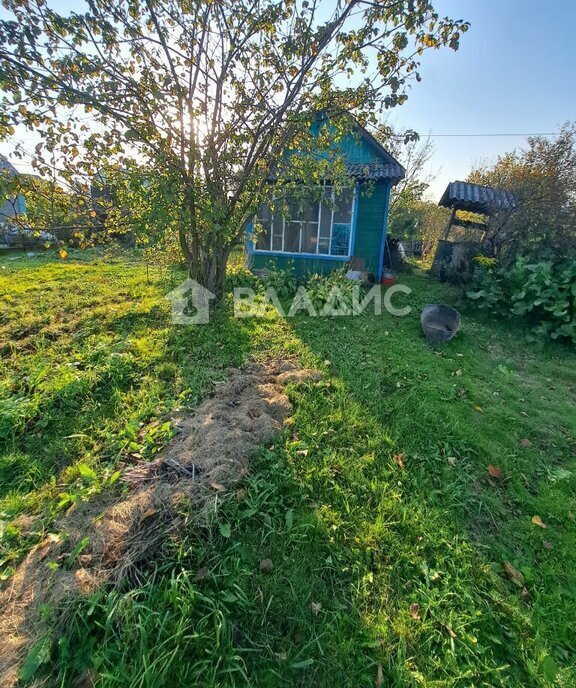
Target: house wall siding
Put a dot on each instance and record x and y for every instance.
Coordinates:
(370, 222)
(371, 217)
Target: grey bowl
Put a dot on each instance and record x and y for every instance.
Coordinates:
(440, 323)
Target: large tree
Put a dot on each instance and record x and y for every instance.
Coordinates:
(206, 95)
(543, 177)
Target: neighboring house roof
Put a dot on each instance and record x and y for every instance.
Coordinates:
(476, 198)
(7, 166)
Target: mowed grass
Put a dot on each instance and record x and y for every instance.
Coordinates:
(386, 531)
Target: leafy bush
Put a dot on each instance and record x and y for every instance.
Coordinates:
(334, 287)
(240, 276)
(284, 282)
(544, 293)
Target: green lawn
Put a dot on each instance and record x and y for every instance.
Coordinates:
(387, 533)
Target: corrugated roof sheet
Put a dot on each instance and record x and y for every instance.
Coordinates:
(477, 198)
(376, 170)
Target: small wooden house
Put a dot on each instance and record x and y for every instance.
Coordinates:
(348, 230)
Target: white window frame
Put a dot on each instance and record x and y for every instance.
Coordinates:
(316, 254)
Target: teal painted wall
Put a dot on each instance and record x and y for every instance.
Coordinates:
(351, 146)
(371, 212)
(367, 240)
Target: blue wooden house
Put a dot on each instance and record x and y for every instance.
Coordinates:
(332, 232)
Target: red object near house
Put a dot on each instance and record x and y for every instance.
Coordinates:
(388, 279)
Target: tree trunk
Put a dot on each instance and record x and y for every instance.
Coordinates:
(210, 269)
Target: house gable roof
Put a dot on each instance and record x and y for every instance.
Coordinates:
(365, 157)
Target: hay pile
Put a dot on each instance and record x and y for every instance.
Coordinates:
(207, 457)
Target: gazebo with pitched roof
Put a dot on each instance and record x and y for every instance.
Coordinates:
(475, 198)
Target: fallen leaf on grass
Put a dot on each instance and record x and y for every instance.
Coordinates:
(218, 487)
(266, 566)
(379, 677)
(316, 608)
(452, 460)
(537, 521)
(302, 452)
(525, 442)
(513, 574)
(399, 460)
(415, 611)
(149, 513)
(523, 413)
(494, 471)
(202, 573)
(479, 409)
(458, 373)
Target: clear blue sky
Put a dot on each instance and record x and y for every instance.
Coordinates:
(515, 72)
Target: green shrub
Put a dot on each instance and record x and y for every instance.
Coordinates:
(322, 288)
(240, 276)
(544, 293)
(284, 282)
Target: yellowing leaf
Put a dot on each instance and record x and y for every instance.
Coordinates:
(399, 460)
(537, 521)
(63, 253)
(513, 574)
(149, 513)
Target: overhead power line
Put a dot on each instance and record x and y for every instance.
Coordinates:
(548, 133)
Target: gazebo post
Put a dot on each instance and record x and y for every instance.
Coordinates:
(450, 221)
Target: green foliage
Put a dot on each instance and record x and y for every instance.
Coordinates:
(485, 262)
(543, 177)
(544, 293)
(420, 220)
(333, 288)
(284, 281)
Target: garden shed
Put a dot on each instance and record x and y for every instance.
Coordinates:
(332, 231)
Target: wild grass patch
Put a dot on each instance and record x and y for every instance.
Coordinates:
(385, 531)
